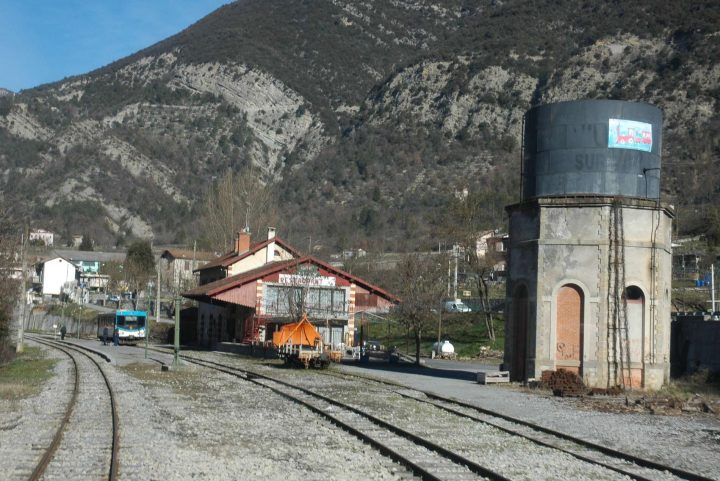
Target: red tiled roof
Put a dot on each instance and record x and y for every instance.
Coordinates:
(231, 258)
(213, 288)
(357, 280)
(221, 285)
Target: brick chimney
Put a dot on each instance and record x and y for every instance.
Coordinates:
(242, 242)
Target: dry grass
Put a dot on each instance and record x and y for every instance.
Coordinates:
(701, 383)
(25, 375)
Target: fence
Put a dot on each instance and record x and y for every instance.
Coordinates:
(693, 346)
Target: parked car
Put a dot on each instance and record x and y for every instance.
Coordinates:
(456, 306)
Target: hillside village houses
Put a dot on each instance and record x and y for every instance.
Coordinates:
(76, 240)
(251, 291)
(76, 273)
(495, 243)
(73, 273)
(41, 236)
(178, 267)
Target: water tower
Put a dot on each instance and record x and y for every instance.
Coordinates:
(589, 272)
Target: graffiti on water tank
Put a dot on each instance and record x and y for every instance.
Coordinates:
(629, 134)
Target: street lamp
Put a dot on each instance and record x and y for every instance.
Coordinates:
(177, 332)
(440, 311)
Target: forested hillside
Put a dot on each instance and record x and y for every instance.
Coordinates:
(366, 118)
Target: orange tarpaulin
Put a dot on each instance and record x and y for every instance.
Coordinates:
(297, 333)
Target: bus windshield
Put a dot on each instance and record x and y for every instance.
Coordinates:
(131, 322)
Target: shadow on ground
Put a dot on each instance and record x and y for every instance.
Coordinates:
(468, 373)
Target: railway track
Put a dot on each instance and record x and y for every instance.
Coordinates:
(606, 458)
(86, 443)
(621, 462)
(425, 459)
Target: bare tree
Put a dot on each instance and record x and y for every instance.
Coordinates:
(139, 267)
(304, 293)
(483, 267)
(470, 219)
(294, 296)
(113, 269)
(234, 202)
(10, 284)
(420, 284)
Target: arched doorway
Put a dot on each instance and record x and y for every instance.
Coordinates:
(520, 323)
(570, 321)
(635, 311)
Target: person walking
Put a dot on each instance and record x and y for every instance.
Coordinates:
(63, 331)
(105, 333)
(116, 337)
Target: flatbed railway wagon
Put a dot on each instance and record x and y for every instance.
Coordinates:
(130, 325)
(300, 344)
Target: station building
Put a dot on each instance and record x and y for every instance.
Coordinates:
(589, 266)
(247, 294)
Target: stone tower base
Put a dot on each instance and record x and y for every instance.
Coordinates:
(588, 290)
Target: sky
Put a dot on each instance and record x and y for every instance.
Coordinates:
(43, 41)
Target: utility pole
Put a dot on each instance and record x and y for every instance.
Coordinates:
(455, 255)
(20, 348)
(712, 287)
(157, 312)
(439, 327)
(194, 264)
(448, 278)
(177, 331)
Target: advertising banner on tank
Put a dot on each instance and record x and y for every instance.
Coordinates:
(629, 134)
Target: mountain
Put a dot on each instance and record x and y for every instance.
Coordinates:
(366, 118)
(4, 92)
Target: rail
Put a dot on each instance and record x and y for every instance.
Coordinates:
(115, 447)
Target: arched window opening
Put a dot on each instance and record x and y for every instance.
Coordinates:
(569, 328)
(635, 311)
(633, 293)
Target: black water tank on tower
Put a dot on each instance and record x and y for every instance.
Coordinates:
(592, 147)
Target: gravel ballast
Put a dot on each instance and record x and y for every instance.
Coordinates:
(690, 441)
(195, 423)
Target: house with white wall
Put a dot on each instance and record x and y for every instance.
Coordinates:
(55, 273)
(41, 235)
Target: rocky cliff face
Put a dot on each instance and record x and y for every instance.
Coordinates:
(367, 117)
(232, 110)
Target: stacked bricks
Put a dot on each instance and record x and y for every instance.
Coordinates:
(563, 383)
